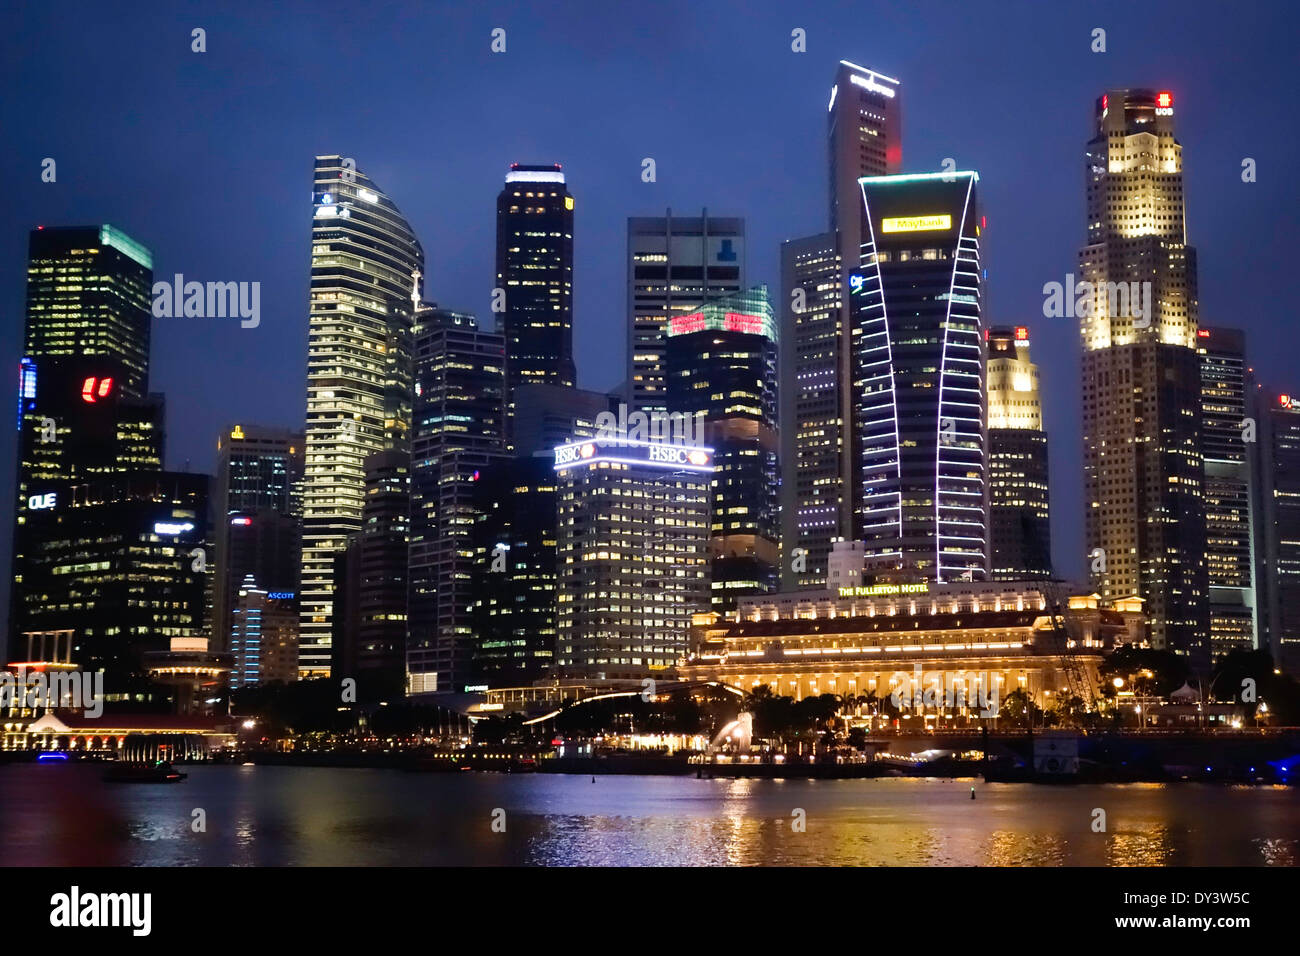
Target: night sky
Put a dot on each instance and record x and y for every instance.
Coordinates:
(207, 157)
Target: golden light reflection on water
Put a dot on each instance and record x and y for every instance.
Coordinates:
(303, 816)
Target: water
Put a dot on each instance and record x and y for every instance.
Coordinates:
(305, 816)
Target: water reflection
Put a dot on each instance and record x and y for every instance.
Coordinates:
(282, 816)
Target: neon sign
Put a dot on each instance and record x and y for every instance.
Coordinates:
(93, 389)
(916, 223)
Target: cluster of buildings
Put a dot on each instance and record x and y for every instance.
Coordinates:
(816, 488)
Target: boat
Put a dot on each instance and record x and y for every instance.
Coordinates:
(160, 772)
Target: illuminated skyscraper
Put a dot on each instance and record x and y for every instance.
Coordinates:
(632, 561)
(721, 371)
(535, 268)
(919, 433)
(1277, 470)
(1226, 386)
(673, 264)
(1020, 542)
(365, 273)
(1144, 522)
(84, 411)
(864, 122)
(257, 527)
(459, 432)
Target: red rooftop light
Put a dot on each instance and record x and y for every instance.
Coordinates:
(1164, 100)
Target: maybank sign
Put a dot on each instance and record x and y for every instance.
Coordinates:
(916, 223)
(624, 451)
(884, 590)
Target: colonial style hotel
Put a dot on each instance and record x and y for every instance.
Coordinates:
(864, 639)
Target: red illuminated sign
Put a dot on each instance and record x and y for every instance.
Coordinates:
(1022, 334)
(1284, 401)
(739, 322)
(93, 389)
(1164, 100)
(685, 324)
(1203, 333)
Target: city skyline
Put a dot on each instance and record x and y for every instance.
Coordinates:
(611, 190)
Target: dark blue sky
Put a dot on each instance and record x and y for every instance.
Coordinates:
(207, 158)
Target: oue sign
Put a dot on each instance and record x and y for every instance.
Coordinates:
(41, 502)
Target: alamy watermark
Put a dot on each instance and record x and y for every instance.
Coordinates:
(919, 690)
(624, 427)
(67, 689)
(208, 300)
(1081, 300)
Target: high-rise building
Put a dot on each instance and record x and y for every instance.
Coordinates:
(1277, 470)
(370, 632)
(721, 369)
(514, 570)
(1144, 523)
(673, 264)
(112, 559)
(550, 415)
(1226, 386)
(864, 138)
(1020, 539)
(919, 434)
(459, 430)
(365, 273)
(84, 411)
(263, 636)
(257, 530)
(813, 440)
(535, 269)
(89, 292)
(632, 559)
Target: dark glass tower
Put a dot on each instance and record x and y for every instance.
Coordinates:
(84, 411)
(721, 370)
(1226, 386)
(535, 268)
(1278, 527)
(257, 532)
(919, 434)
(459, 430)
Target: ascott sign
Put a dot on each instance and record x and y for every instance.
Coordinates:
(916, 223)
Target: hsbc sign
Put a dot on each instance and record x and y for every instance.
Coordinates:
(625, 451)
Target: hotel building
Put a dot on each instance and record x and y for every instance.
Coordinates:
(981, 638)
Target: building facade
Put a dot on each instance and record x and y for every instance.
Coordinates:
(632, 554)
(1226, 387)
(1278, 524)
(863, 138)
(257, 524)
(366, 265)
(920, 438)
(535, 270)
(1020, 539)
(459, 431)
(974, 643)
(1144, 521)
(673, 264)
(721, 369)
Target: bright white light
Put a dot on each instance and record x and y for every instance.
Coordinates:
(542, 176)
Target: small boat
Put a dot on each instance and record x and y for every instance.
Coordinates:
(161, 772)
